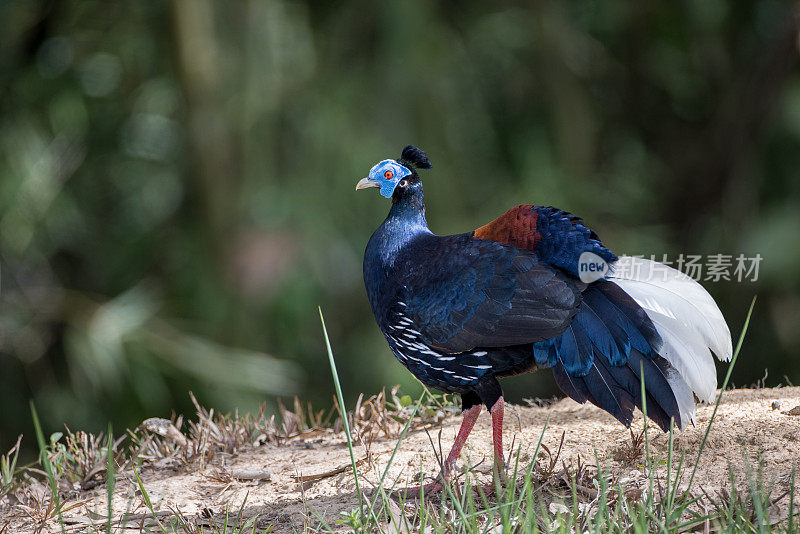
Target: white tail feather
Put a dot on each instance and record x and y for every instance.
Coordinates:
(683, 396)
(688, 320)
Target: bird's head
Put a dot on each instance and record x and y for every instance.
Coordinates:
(396, 175)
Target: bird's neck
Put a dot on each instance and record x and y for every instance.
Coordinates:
(409, 207)
(406, 220)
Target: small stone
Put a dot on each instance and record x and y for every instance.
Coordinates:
(776, 405)
(558, 508)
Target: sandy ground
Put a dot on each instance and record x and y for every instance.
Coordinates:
(747, 430)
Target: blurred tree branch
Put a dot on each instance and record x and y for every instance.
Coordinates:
(214, 165)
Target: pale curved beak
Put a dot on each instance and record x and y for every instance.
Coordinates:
(365, 183)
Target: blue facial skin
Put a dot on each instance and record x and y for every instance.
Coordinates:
(378, 175)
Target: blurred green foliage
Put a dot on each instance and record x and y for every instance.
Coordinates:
(176, 178)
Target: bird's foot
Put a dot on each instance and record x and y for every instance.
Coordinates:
(444, 477)
(500, 482)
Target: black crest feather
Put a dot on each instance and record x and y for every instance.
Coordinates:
(416, 157)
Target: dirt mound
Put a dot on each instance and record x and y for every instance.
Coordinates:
(310, 477)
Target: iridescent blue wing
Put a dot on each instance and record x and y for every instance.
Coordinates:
(464, 293)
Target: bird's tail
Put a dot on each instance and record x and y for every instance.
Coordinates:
(687, 319)
(645, 321)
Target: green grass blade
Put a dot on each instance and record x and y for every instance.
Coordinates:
(345, 422)
(241, 510)
(8, 468)
(668, 510)
(400, 439)
(721, 391)
(529, 473)
(48, 467)
(110, 478)
(646, 434)
(147, 501)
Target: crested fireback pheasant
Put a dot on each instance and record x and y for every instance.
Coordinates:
(535, 288)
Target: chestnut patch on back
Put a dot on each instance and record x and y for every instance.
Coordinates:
(516, 227)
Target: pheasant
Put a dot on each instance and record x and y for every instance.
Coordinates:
(535, 288)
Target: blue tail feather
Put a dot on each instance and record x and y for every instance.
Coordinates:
(659, 393)
(598, 357)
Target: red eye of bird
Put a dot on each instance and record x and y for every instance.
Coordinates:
(388, 175)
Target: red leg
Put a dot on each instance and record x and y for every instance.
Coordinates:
(470, 417)
(497, 434)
